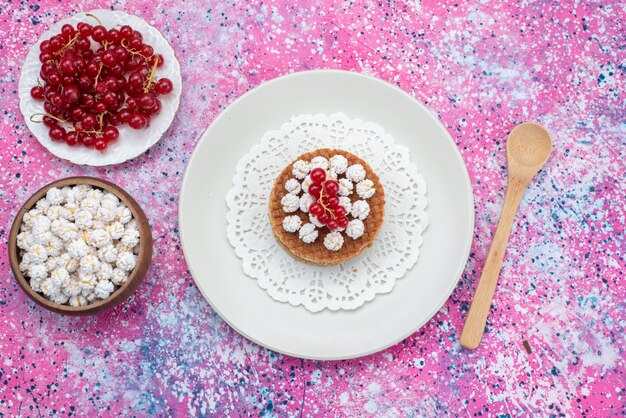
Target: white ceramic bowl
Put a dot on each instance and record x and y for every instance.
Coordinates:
(131, 142)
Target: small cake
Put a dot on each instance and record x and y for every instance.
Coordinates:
(326, 207)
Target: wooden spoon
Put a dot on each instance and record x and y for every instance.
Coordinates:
(527, 149)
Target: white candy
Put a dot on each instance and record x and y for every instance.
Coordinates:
(293, 186)
(91, 205)
(306, 183)
(87, 282)
(98, 224)
(78, 243)
(50, 287)
(78, 301)
(30, 216)
(107, 211)
(25, 267)
(95, 194)
(345, 187)
(130, 238)
(52, 263)
(108, 254)
(59, 298)
(80, 191)
(339, 164)
(306, 200)
(308, 233)
(73, 288)
(355, 173)
(27, 257)
(54, 246)
(292, 223)
(56, 212)
(300, 169)
(54, 196)
(110, 197)
(355, 228)
(125, 261)
(38, 271)
(58, 222)
(61, 275)
(77, 249)
(116, 230)
(360, 209)
(25, 240)
(35, 284)
(41, 224)
(346, 203)
(67, 231)
(105, 272)
(124, 215)
(365, 189)
(119, 277)
(314, 221)
(42, 205)
(333, 241)
(89, 264)
(290, 203)
(99, 238)
(83, 219)
(56, 282)
(103, 289)
(38, 253)
(72, 208)
(121, 248)
(68, 262)
(319, 162)
(69, 195)
(42, 238)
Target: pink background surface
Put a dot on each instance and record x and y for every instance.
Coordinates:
(481, 68)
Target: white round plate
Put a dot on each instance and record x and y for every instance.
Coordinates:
(325, 335)
(131, 142)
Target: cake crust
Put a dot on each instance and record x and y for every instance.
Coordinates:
(316, 253)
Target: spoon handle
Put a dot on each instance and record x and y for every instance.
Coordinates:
(479, 310)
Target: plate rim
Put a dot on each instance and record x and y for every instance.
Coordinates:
(468, 189)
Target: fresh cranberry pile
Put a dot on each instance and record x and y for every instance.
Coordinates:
(326, 208)
(93, 91)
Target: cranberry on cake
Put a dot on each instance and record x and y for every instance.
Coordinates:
(326, 207)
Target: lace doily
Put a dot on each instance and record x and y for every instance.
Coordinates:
(350, 284)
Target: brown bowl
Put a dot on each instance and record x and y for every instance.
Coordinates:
(136, 277)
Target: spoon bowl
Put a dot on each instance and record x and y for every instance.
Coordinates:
(528, 148)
